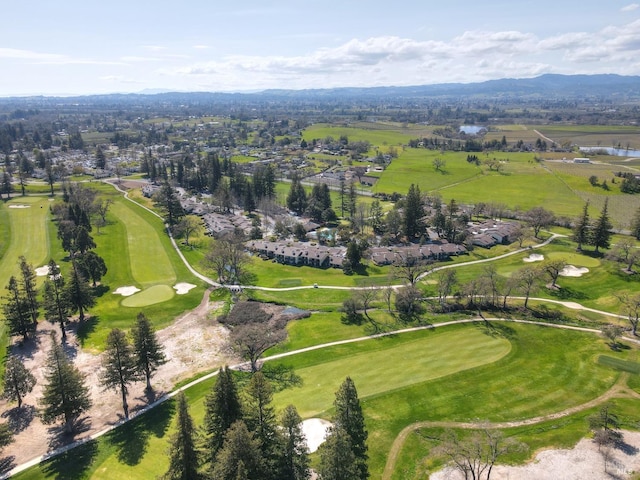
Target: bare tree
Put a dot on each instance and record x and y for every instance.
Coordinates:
(539, 218)
(626, 253)
(410, 267)
(553, 269)
(631, 308)
(253, 339)
(527, 280)
(447, 279)
(189, 225)
(227, 257)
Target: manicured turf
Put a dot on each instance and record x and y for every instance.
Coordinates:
(149, 296)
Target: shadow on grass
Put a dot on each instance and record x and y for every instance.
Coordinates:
(72, 464)
(497, 329)
(132, 439)
(86, 328)
(281, 376)
(100, 290)
(567, 293)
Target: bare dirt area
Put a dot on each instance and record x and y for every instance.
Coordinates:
(195, 342)
(584, 461)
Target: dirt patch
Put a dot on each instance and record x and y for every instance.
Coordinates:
(194, 343)
(582, 461)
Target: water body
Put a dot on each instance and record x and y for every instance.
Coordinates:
(471, 129)
(618, 152)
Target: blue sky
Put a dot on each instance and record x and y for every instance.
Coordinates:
(85, 47)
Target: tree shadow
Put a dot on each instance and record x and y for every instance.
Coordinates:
(58, 437)
(100, 290)
(626, 448)
(132, 438)
(20, 418)
(26, 349)
(497, 329)
(7, 463)
(73, 463)
(567, 293)
(86, 328)
(281, 376)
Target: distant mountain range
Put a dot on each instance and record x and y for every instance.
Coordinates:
(550, 86)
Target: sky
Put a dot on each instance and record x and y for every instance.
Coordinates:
(78, 47)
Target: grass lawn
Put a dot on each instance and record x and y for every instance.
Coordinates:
(454, 373)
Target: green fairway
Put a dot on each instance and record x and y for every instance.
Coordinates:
(149, 296)
(393, 367)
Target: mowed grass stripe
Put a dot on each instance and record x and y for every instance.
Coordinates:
(149, 261)
(29, 236)
(392, 368)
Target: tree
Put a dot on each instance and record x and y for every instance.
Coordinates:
(475, 455)
(253, 339)
(168, 202)
(631, 308)
(147, 350)
(119, 367)
(56, 306)
(447, 279)
(184, 457)
(297, 197)
(295, 453)
(413, 213)
(6, 436)
(18, 381)
(582, 228)
(239, 456)
(612, 332)
(227, 258)
(606, 426)
(439, 164)
(337, 460)
(625, 252)
(553, 269)
(409, 267)
(65, 394)
(16, 311)
(78, 293)
(635, 225)
(538, 218)
(601, 236)
(260, 417)
(527, 280)
(409, 301)
(222, 409)
(349, 417)
(101, 159)
(189, 225)
(92, 266)
(29, 287)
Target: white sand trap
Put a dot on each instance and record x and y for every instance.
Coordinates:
(126, 291)
(572, 271)
(182, 288)
(19, 206)
(315, 430)
(42, 271)
(534, 257)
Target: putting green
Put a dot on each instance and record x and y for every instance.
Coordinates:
(574, 259)
(148, 259)
(391, 368)
(149, 296)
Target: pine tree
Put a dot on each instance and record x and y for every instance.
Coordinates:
(222, 409)
(635, 225)
(183, 455)
(78, 293)
(413, 213)
(239, 456)
(349, 417)
(65, 394)
(260, 418)
(119, 367)
(29, 288)
(582, 228)
(92, 266)
(18, 381)
(337, 460)
(601, 237)
(16, 311)
(295, 453)
(55, 302)
(148, 351)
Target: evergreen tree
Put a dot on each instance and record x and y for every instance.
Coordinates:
(337, 460)
(65, 394)
(6, 436)
(101, 159)
(29, 288)
(295, 453)
(92, 266)
(83, 241)
(119, 367)
(222, 409)
(297, 197)
(148, 350)
(183, 455)
(349, 417)
(413, 213)
(582, 228)
(18, 381)
(260, 418)
(78, 293)
(167, 200)
(239, 456)
(56, 306)
(635, 225)
(601, 237)
(16, 311)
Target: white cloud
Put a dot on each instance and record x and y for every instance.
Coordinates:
(630, 8)
(28, 54)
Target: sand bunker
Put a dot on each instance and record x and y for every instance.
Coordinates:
(315, 430)
(19, 206)
(182, 288)
(572, 271)
(42, 271)
(534, 257)
(126, 291)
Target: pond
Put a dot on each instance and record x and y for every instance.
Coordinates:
(471, 129)
(618, 152)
